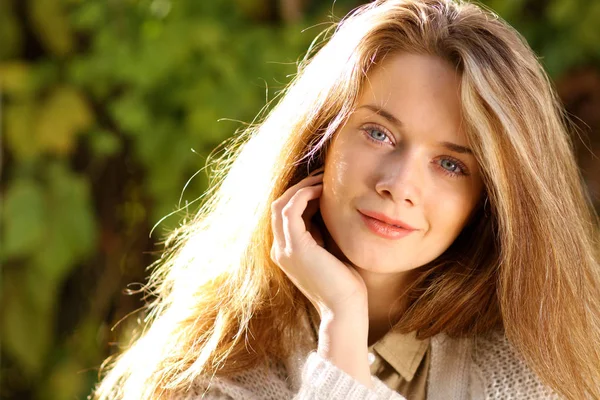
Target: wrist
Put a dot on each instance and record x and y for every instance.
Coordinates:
(349, 310)
(343, 341)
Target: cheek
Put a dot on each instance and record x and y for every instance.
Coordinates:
(336, 195)
(341, 175)
(449, 213)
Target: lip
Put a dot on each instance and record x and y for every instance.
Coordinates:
(390, 221)
(383, 228)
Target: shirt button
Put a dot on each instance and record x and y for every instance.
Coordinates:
(371, 358)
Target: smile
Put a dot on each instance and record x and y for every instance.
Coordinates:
(385, 230)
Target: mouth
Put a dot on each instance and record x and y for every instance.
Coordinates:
(384, 229)
(387, 220)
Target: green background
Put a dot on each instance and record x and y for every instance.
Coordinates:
(109, 107)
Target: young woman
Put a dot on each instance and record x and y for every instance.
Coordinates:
(409, 220)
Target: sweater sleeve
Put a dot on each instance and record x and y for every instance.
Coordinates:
(319, 379)
(323, 380)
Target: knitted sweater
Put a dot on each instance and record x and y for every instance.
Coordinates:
(482, 368)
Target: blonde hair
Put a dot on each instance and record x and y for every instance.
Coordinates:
(528, 263)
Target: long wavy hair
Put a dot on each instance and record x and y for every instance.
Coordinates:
(527, 264)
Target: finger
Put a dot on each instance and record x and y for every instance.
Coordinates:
(277, 228)
(317, 171)
(311, 209)
(281, 202)
(293, 224)
(291, 191)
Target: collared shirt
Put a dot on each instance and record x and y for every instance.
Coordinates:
(399, 360)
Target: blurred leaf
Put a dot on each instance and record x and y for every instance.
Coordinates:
(131, 114)
(10, 31)
(20, 138)
(26, 328)
(89, 15)
(51, 24)
(71, 228)
(85, 339)
(588, 31)
(41, 290)
(104, 143)
(202, 123)
(15, 77)
(65, 381)
(562, 12)
(91, 74)
(160, 8)
(45, 75)
(63, 115)
(22, 218)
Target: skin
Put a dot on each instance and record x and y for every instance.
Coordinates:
(352, 276)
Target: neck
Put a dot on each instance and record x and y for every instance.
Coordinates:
(385, 300)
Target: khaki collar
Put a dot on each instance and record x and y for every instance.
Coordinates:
(403, 351)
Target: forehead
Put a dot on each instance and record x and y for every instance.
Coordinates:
(422, 91)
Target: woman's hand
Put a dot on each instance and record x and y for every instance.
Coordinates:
(335, 289)
(332, 286)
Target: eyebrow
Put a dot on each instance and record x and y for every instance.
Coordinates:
(395, 121)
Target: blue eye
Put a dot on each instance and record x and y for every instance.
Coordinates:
(377, 135)
(452, 167)
(449, 165)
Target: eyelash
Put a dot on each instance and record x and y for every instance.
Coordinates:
(458, 163)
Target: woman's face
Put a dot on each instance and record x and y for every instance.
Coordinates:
(402, 155)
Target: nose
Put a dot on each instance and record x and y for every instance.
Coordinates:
(401, 178)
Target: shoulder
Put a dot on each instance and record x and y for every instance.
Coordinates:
(262, 382)
(272, 380)
(498, 371)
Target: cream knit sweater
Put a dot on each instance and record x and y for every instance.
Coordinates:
(485, 368)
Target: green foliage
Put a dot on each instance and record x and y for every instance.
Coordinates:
(563, 32)
(23, 219)
(140, 81)
(121, 92)
(49, 228)
(10, 31)
(50, 21)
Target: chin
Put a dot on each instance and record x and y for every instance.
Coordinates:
(387, 269)
(373, 258)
